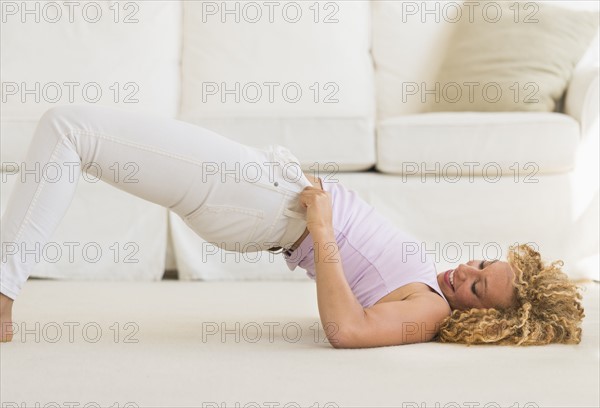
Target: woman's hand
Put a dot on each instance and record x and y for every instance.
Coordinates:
(318, 209)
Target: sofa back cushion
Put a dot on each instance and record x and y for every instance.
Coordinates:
(520, 58)
(410, 41)
(100, 52)
(297, 74)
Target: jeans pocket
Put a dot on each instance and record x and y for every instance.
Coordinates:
(226, 226)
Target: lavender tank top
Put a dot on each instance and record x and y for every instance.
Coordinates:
(377, 257)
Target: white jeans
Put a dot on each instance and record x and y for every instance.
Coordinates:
(237, 197)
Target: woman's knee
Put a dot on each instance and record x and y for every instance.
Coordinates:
(61, 122)
(61, 112)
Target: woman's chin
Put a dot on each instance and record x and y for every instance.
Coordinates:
(445, 289)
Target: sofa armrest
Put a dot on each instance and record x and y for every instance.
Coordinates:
(581, 99)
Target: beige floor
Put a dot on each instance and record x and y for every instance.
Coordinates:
(164, 354)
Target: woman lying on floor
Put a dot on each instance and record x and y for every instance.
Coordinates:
(371, 290)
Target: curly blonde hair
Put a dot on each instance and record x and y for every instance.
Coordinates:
(548, 308)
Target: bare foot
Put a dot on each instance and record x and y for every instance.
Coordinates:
(6, 328)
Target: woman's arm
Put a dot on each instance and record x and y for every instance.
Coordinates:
(339, 309)
(347, 324)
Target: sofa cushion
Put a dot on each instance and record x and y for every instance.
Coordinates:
(409, 44)
(115, 60)
(452, 221)
(106, 234)
(479, 143)
(520, 59)
(408, 48)
(288, 75)
(198, 259)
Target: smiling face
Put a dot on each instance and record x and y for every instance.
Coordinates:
(479, 284)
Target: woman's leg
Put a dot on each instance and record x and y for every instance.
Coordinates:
(218, 186)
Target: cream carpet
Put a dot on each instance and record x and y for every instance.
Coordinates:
(173, 344)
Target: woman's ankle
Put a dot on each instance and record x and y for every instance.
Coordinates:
(6, 328)
(5, 301)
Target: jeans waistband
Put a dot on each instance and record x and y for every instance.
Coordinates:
(291, 177)
(293, 180)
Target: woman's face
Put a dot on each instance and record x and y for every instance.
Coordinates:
(480, 284)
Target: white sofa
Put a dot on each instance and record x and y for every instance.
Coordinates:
(350, 60)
